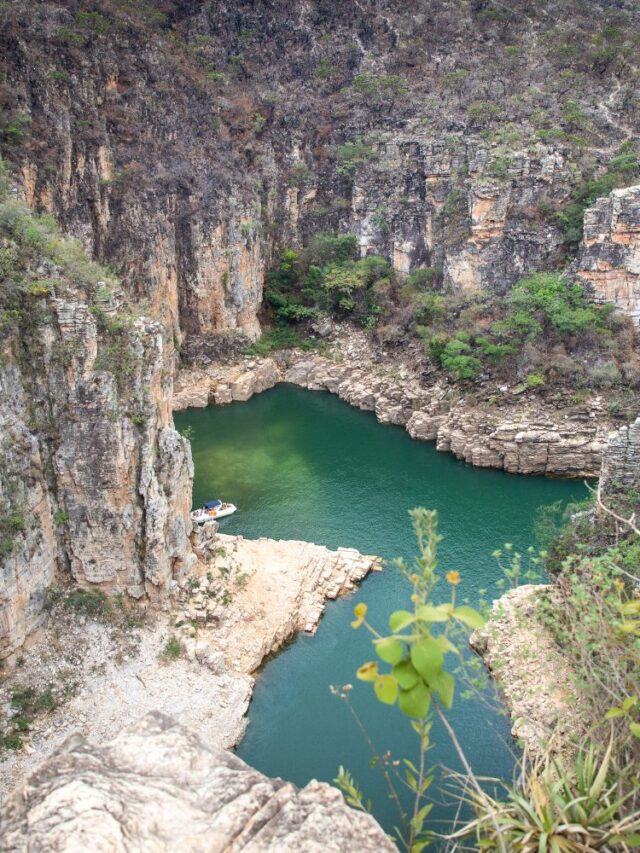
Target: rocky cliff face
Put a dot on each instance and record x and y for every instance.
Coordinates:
(621, 462)
(184, 143)
(609, 258)
(94, 479)
(157, 783)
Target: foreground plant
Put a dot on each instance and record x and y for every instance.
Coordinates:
(557, 807)
(415, 676)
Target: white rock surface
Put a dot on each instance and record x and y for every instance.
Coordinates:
(157, 787)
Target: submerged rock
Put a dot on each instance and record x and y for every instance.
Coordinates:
(158, 787)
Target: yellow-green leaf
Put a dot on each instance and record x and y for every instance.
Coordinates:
(405, 674)
(389, 650)
(445, 684)
(429, 613)
(415, 702)
(386, 688)
(634, 728)
(368, 671)
(468, 616)
(399, 619)
(446, 645)
(612, 713)
(427, 658)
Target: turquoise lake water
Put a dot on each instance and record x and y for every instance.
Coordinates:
(304, 465)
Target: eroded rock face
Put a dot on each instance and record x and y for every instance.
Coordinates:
(156, 786)
(92, 467)
(621, 459)
(530, 671)
(200, 387)
(609, 258)
(278, 587)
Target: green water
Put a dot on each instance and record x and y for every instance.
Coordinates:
(304, 465)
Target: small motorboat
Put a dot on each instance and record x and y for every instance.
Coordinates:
(212, 511)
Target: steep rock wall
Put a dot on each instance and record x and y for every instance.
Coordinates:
(94, 477)
(609, 258)
(187, 145)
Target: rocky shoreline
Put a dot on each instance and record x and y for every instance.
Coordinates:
(531, 674)
(242, 602)
(512, 430)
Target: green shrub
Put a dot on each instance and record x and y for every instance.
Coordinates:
(281, 337)
(622, 170)
(172, 649)
(535, 380)
(350, 155)
(91, 602)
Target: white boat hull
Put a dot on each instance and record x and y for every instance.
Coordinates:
(200, 516)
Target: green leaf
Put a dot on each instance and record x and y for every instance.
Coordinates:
(629, 702)
(368, 671)
(429, 613)
(386, 688)
(405, 674)
(468, 616)
(427, 658)
(446, 645)
(399, 619)
(415, 702)
(612, 713)
(634, 728)
(445, 684)
(389, 650)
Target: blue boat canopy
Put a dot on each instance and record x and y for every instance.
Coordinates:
(212, 504)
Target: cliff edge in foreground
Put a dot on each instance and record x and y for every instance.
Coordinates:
(156, 786)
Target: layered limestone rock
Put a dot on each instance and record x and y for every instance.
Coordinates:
(621, 459)
(157, 786)
(520, 435)
(609, 257)
(277, 588)
(29, 543)
(220, 383)
(95, 478)
(531, 673)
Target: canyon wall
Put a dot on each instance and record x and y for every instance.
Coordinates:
(608, 262)
(186, 145)
(94, 479)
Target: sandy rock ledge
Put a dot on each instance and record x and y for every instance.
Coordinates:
(241, 601)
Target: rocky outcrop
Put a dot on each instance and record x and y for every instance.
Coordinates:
(158, 786)
(621, 459)
(94, 477)
(201, 387)
(531, 673)
(516, 434)
(238, 604)
(609, 258)
(277, 588)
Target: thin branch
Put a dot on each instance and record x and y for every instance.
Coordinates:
(628, 522)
